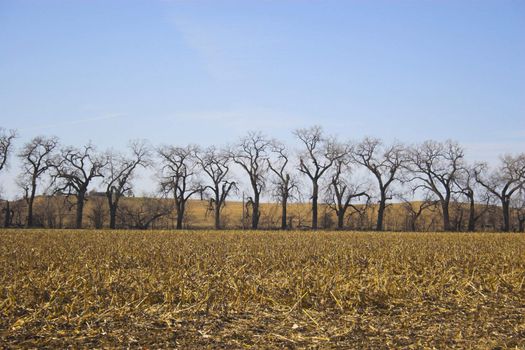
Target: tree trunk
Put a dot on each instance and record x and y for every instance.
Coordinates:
(315, 194)
(446, 216)
(180, 216)
(80, 209)
(340, 219)
(381, 212)
(112, 215)
(284, 221)
(472, 216)
(255, 211)
(217, 211)
(7, 217)
(521, 223)
(30, 211)
(30, 204)
(506, 215)
(413, 224)
(113, 205)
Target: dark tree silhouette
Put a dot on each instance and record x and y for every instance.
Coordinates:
(504, 182)
(251, 154)
(341, 191)
(6, 144)
(73, 173)
(385, 163)
(414, 209)
(119, 173)
(143, 214)
(37, 158)
(178, 174)
(468, 186)
(435, 166)
(318, 156)
(215, 164)
(284, 182)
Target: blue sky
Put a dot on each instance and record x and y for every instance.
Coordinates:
(207, 71)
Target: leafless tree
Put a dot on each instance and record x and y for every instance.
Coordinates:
(142, 213)
(504, 182)
(6, 144)
(52, 210)
(97, 213)
(74, 171)
(284, 183)
(478, 199)
(414, 209)
(319, 154)
(342, 191)
(8, 213)
(251, 154)
(216, 165)
(519, 206)
(119, 174)
(37, 158)
(435, 166)
(178, 176)
(385, 163)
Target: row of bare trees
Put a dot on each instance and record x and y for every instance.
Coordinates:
(343, 175)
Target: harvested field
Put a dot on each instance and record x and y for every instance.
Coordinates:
(206, 289)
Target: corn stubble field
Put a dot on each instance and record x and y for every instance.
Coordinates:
(206, 289)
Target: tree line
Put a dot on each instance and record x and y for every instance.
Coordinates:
(324, 170)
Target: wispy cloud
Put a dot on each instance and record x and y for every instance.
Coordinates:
(72, 122)
(243, 120)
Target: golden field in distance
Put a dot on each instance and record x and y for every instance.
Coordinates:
(59, 212)
(235, 289)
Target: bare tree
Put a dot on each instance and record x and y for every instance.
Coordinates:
(37, 158)
(215, 164)
(319, 155)
(178, 173)
(6, 143)
(8, 213)
(519, 206)
(142, 213)
(251, 154)
(414, 209)
(341, 191)
(504, 182)
(468, 186)
(384, 162)
(284, 183)
(436, 165)
(73, 173)
(119, 173)
(97, 213)
(53, 210)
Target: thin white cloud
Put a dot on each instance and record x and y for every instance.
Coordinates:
(72, 122)
(244, 120)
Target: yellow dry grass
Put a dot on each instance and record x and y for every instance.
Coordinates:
(206, 289)
(199, 215)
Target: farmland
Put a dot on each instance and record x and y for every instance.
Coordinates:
(235, 289)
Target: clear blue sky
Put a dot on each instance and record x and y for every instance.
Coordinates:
(207, 71)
